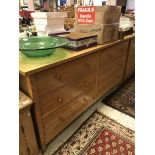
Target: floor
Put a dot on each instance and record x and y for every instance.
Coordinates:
(121, 118)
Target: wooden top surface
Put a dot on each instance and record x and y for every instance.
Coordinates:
(29, 66)
(24, 101)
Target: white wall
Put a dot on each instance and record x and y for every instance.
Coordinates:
(131, 4)
(99, 2)
(96, 2)
(31, 5)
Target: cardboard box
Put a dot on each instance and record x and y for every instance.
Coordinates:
(52, 33)
(69, 23)
(69, 10)
(49, 21)
(91, 29)
(106, 33)
(38, 15)
(49, 28)
(106, 14)
(110, 33)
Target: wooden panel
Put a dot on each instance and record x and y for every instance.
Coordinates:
(130, 62)
(112, 63)
(22, 141)
(110, 55)
(58, 76)
(29, 132)
(109, 83)
(57, 121)
(53, 101)
(23, 84)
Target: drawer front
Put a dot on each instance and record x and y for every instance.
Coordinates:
(53, 101)
(57, 121)
(58, 76)
(109, 83)
(22, 141)
(113, 53)
(112, 64)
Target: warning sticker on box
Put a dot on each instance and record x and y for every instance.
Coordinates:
(86, 15)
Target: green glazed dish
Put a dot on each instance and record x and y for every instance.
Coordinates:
(40, 46)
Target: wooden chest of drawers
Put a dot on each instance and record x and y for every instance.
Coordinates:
(62, 92)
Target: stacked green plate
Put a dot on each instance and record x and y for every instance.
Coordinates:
(40, 46)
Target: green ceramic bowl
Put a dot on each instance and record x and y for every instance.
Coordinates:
(40, 46)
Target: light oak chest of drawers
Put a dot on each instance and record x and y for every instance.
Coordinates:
(62, 92)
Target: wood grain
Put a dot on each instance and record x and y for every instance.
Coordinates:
(22, 141)
(112, 63)
(130, 60)
(53, 78)
(65, 86)
(24, 101)
(27, 138)
(29, 132)
(54, 101)
(57, 121)
(37, 114)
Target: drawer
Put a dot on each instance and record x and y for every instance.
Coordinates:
(53, 101)
(58, 76)
(57, 121)
(113, 53)
(112, 65)
(111, 68)
(106, 83)
(110, 77)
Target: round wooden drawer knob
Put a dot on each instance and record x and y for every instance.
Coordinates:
(85, 100)
(58, 77)
(59, 99)
(87, 83)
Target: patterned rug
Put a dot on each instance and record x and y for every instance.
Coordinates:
(123, 99)
(99, 135)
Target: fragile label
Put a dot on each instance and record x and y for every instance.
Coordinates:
(86, 14)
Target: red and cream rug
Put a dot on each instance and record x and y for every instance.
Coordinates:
(99, 135)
